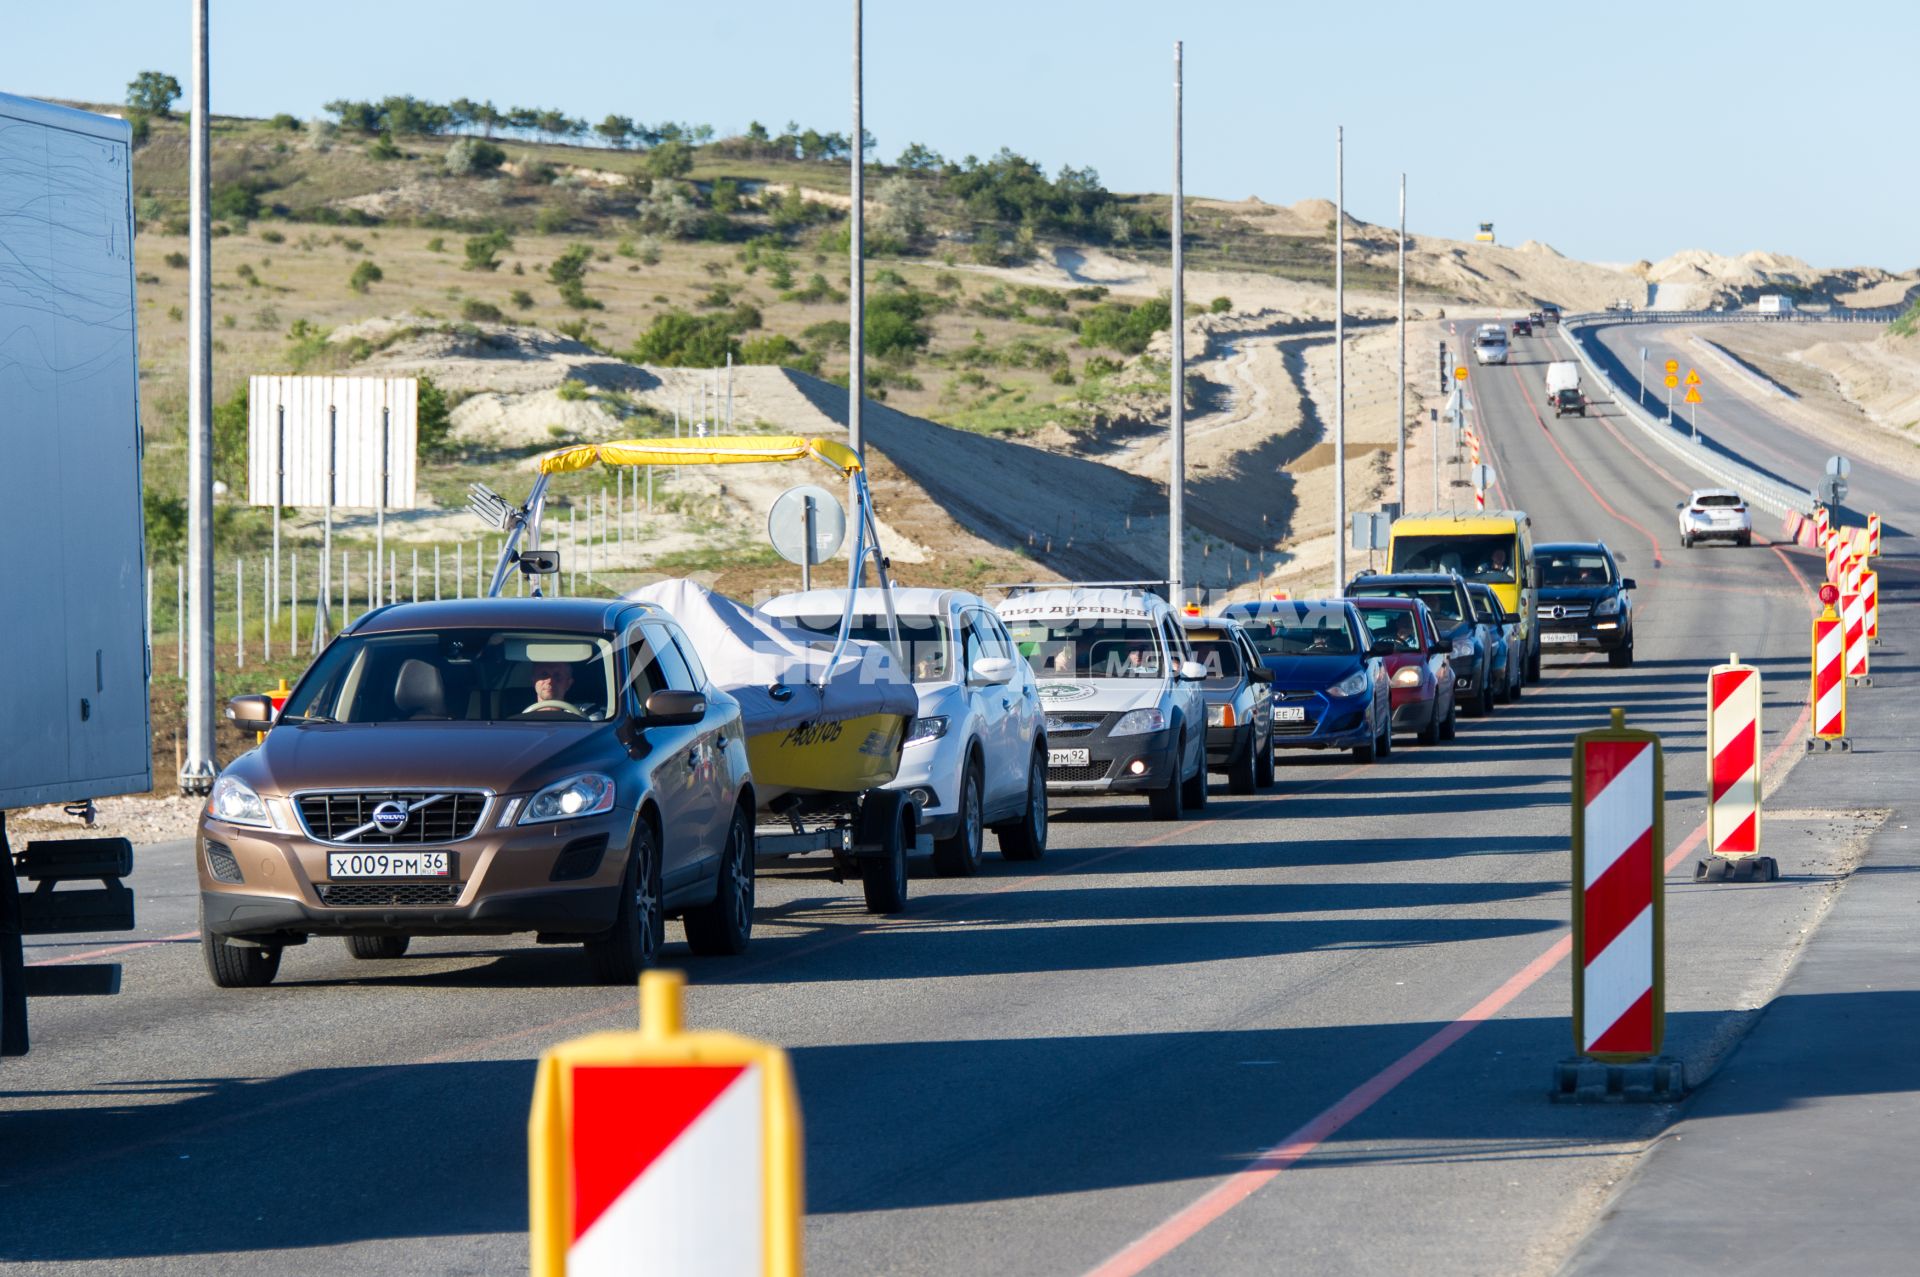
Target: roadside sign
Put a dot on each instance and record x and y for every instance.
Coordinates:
(1672, 381)
(1673, 366)
(1693, 378)
(1733, 760)
(1460, 372)
(662, 1150)
(1839, 466)
(341, 441)
(1619, 931)
(1482, 478)
(1693, 394)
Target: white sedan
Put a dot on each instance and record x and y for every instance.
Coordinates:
(1715, 514)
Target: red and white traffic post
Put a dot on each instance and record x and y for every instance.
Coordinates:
(1733, 777)
(1853, 620)
(1873, 536)
(664, 1152)
(1829, 687)
(1870, 603)
(1619, 930)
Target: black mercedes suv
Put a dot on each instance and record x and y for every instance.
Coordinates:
(1585, 604)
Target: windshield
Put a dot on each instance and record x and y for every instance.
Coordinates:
(1716, 499)
(1440, 599)
(1222, 659)
(923, 638)
(1300, 631)
(1093, 647)
(1394, 624)
(1484, 557)
(1485, 606)
(459, 676)
(1573, 568)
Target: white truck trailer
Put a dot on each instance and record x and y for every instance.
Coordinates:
(1563, 389)
(74, 658)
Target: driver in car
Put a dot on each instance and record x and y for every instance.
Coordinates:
(552, 680)
(1495, 568)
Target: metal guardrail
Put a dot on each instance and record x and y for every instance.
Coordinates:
(1782, 498)
(1837, 315)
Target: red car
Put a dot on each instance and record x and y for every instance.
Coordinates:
(1523, 328)
(1419, 669)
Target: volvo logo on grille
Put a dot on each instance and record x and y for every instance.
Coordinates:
(390, 818)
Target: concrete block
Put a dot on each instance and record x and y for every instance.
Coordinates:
(1661, 1080)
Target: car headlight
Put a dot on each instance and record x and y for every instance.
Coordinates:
(1608, 606)
(1352, 685)
(932, 727)
(1138, 722)
(1220, 715)
(235, 802)
(1055, 723)
(1463, 649)
(1407, 676)
(587, 794)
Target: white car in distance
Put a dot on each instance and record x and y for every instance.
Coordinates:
(1715, 514)
(976, 757)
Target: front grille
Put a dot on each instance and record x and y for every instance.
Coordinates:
(1565, 611)
(1293, 694)
(1068, 775)
(1294, 728)
(332, 817)
(415, 894)
(1073, 724)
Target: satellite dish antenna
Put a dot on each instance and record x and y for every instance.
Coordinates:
(807, 525)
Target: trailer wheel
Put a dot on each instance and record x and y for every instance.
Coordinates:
(883, 868)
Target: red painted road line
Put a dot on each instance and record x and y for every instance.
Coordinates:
(1575, 471)
(113, 949)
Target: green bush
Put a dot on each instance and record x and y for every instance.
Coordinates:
(433, 423)
(678, 339)
(1220, 305)
(1123, 327)
(230, 442)
(176, 260)
(522, 299)
(166, 519)
(365, 274)
(552, 219)
(384, 149)
(271, 236)
(670, 160)
(153, 93)
(895, 326)
(780, 350)
(1044, 298)
(483, 251)
(472, 156)
(1907, 324)
(285, 123)
(817, 290)
(568, 273)
(140, 129)
(475, 311)
(572, 391)
(235, 202)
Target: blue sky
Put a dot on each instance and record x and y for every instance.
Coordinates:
(1612, 131)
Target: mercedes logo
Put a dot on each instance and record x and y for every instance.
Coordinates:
(1558, 613)
(391, 817)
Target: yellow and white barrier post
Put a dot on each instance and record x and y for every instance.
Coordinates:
(1733, 777)
(1873, 536)
(1829, 691)
(664, 1152)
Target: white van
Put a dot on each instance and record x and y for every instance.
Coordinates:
(1490, 344)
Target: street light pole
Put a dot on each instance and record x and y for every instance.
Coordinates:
(1340, 358)
(1401, 455)
(1176, 487)
(198, 768)
(856, 332)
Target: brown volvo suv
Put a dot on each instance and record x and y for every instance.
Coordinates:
(555, 766)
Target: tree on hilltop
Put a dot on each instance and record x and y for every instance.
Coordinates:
(153, 93)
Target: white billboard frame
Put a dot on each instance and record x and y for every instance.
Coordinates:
(344, 442)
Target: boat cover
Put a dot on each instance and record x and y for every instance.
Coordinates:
(774, 669)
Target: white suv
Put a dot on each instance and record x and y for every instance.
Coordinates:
(1715, 514)
(976, 757)
(1126, 712)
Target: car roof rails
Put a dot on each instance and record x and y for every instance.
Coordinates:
(1013, 588)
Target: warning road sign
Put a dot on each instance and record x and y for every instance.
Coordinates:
(1693, 394)
(1693, 378)
(1672, 381)
(682, 1148)
(1673, 365)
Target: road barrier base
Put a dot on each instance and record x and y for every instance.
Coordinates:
(1840, 743)
(1660, 1080)
(1737, 869)
(1859, 680)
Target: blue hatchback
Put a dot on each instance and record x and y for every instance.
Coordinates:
(1330, 688)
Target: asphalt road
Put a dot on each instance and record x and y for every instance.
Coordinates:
(1313, 1029)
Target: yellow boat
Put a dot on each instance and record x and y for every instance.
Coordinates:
(839, 733)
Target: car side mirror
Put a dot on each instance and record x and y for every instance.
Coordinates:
(672, 708)
(1382, 647)
(253, 711)
(1192, 671)
(995, 670)
(1628, 583)
(1440, 647)
(1261, 675)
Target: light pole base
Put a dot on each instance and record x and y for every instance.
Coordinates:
(196, 777)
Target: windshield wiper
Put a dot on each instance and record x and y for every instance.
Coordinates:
(308, 718)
